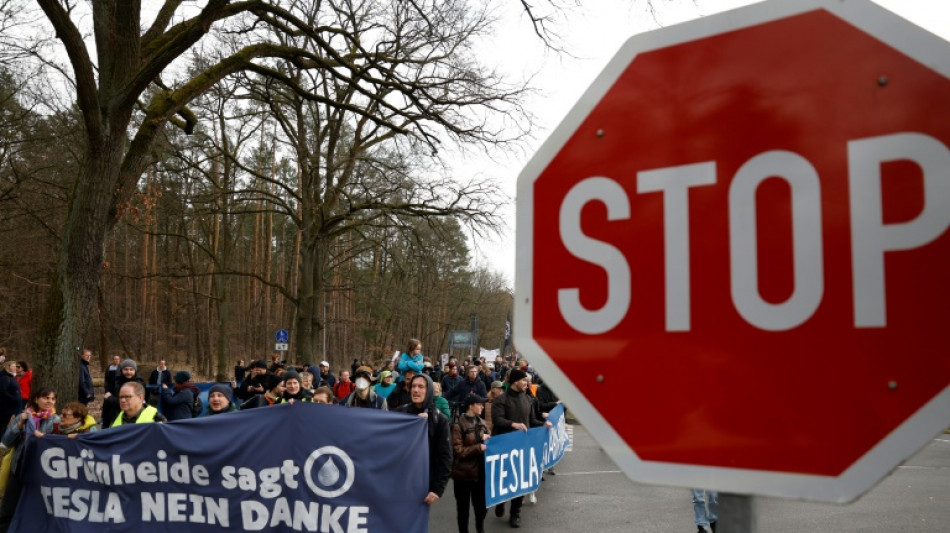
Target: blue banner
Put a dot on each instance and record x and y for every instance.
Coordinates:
(514, 461)
(300, 467)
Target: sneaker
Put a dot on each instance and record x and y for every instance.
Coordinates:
(532, 498)
(500, 510)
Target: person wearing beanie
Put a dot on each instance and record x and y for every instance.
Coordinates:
(386, 384)
(468, 470)
(273, 393)
(512, 411)
(364, 395)
(126, 372)
(220, 399)
(178, 402)
(293, 388)
(254, 382)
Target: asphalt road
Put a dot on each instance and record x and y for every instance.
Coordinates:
(590, 494)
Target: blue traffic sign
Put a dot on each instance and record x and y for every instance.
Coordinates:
(282, 336)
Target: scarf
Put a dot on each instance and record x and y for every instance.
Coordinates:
(39, 417)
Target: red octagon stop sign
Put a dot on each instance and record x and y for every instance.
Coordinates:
(733, 257)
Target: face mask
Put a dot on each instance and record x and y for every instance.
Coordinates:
(362, 383)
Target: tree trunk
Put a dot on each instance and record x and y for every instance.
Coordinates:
(76, 276)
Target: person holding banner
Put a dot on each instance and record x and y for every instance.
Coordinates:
(273, 393)
(421, 393)
(513, 411)
(219, 400)
(468, 471)
(36, 420)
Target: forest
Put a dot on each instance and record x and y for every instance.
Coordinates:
(180, 180)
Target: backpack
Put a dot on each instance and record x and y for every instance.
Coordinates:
(196, 405)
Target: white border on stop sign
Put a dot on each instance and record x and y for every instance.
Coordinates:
(890, 452)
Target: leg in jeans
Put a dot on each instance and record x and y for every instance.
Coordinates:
(700, 515)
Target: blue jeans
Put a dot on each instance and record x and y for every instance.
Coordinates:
(705, 507)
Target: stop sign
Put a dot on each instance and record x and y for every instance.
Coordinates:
(733, 252)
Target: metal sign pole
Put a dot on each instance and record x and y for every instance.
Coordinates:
(736, 513)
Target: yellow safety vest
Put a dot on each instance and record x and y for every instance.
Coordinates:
(147, 416)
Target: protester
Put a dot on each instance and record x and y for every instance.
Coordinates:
(344, 386)
(497, 389)
(440, 443)
(75, 420)
(451, 378)
(512, 411)
(160, 376)
(326, 377)
(400, 396)
(440, 402)
(134, 410)
(178, 403)
(240, 370)
(11, 401)
(306, 382)
(273, 393)
(323, 395)
(220, 400)
(25, 379)
(254, 383)
(293, 390)
(386, 384)
(364, 395)
(36, 420)
(411, 359)
(87, 391)
(112, 377)
(468, 471)
(470, 385)
(127, 373)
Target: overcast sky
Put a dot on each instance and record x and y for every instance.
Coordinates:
(592, 36)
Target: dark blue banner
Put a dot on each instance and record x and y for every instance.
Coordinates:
(300, 467)
(514, 461)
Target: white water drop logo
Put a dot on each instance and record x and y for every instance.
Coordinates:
(328, 477)
(329, 474)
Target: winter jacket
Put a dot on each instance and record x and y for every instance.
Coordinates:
(11, 402)
(465, 388)
(467, 438)
(342, 389)
(443, 406)
(177, 405)
(17, 437)
(373, 401)
(110, 407)
(407, 362)
(88, 425)
(440, 440)
(512, 408)
(86, 391)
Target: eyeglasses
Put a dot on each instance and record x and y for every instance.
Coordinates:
(126, 397)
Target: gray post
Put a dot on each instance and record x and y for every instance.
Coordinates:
(736, 513)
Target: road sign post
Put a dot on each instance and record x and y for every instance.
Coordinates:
(748, 214)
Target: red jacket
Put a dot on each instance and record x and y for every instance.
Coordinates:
(342, 388)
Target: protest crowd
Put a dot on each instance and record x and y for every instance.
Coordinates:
(464, 401)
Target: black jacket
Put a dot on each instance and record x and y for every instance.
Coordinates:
(86, 391)
(440, 439)
(512, 408)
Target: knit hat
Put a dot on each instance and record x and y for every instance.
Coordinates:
(182, 376)
(128, 362)
(260, 363)
(516, 374)
(223, 388)
(472, 398)
(271, 381)
(290, 373)
(497, 385)
(366, 371)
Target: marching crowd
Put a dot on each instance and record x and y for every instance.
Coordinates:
(464, 402)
